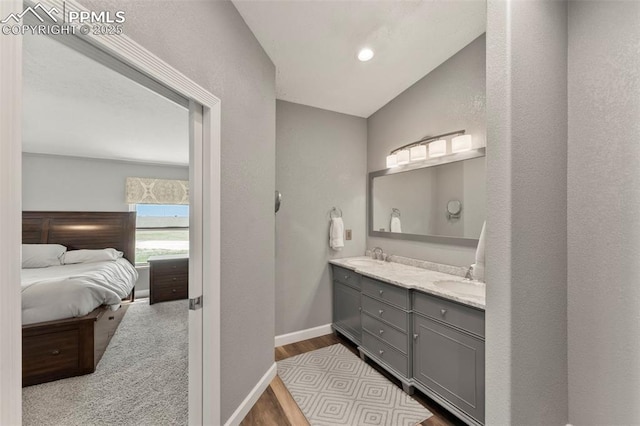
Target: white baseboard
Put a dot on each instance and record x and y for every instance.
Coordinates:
(142, 293)
(298, 336)
(253, 397)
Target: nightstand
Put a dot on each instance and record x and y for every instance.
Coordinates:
(168, 278)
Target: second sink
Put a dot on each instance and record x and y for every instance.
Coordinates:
(462, 288)
(364, 262)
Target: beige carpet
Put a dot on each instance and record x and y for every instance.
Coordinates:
(142, 378)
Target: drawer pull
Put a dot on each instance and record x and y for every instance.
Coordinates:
(381, 352)
(359, 308)
(173, 290)
(175, 279)
(415, 337)
(380, 332)
(174, 267)
(112, 318)
(381, 292)
(380, 312)
(443, 311)
(55, 352)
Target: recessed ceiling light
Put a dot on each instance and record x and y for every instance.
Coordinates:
(365, 54)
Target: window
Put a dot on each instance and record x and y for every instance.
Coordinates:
(161, 229)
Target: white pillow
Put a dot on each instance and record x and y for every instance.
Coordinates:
(89, 256)
(42, 255)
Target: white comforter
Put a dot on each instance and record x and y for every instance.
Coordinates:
(67, 291)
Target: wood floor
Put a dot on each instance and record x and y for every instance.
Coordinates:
(277, 407)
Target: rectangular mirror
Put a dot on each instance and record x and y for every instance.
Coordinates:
(440, 200)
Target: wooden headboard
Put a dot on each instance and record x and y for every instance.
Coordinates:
(82, 230)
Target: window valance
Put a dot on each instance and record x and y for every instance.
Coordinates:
(156, 191)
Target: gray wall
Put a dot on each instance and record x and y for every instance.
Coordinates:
(210, 43)
(55, 182)
(320, 163)
(52, 182)
(451, 97)
(526, 267)
(603, 205)
(142, 285)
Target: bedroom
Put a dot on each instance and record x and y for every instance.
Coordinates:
(123, 150)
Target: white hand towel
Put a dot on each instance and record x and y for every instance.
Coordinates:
(478, 267)
(336, 234)
(396, 225)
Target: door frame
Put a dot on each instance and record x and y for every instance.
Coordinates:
(204, 324)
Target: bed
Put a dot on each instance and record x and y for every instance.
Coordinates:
(54, 347)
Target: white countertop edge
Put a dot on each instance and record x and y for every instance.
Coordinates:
(427, 287)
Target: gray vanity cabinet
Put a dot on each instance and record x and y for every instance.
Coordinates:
(448, 354)
(429, 343)
(346, 304)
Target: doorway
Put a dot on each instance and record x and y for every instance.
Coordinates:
(204, 118)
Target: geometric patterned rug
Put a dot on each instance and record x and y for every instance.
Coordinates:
(334, 387)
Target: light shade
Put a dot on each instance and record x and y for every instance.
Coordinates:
(418, 153)
(461, 143)
(392, 161)
(404, 157)
(438, 148)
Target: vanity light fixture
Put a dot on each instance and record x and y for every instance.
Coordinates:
(404, 157)
(461, 143)
(365, 54)
(437, 148)
(418, 153)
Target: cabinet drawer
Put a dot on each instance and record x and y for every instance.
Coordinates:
(346, 276)
(385, 332)
(385, 312)
(164, 285)
(466, 318)
(180, 266)
(385, 353)
(170, 280)
(50, 352)
(389, 293)
(166, 293)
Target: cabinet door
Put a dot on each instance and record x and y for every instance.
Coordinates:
(450, 363)
(346, 310)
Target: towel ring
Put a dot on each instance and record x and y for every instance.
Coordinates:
(335, 212)
(395, 212)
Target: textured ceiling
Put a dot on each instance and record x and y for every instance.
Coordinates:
(314, 46)
(76, 106)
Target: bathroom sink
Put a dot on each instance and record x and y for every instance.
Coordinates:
(461, 288)
(364, 262)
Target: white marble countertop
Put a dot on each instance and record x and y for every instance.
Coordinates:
(452, 287)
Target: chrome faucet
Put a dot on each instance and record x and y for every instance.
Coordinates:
(469, 274)
(377, 253)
